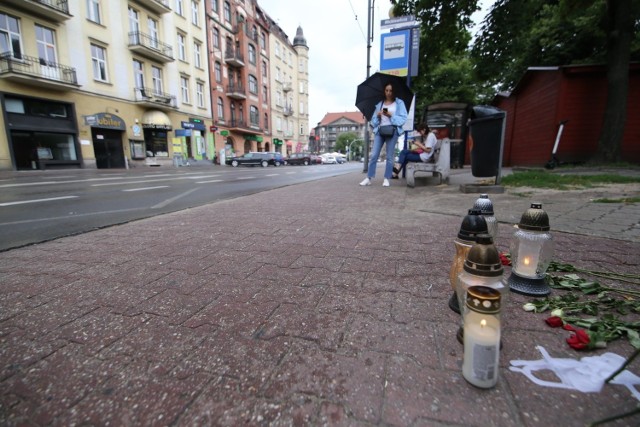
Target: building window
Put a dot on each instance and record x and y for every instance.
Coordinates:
(184, 89)
(218, 72)
(265, 93)
(194, 13)
(278, 49)
(182, 50)
(10, 35)
(46, 45)
(156, 77)
(99, 60)
(278, 98)
(197, 55)
(253, 84)
(263, 41)
(252, 54)
(266, 121)
(254, 116)
(93, 11)
(227, 11)
(301, 88)
(279, 124)
(220, 109)
(277, 74)
(153, 32)
(138, 74)
(180, 7)
(200, 94)
(214, 6)
(264, 70)
(216, 38)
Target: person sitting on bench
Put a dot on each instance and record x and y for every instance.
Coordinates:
(424, 152)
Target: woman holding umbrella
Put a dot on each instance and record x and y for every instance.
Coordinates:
(387, 121)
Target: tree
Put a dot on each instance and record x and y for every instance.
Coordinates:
(619, 36)
(444, 38)
(346, 139)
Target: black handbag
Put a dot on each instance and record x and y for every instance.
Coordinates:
(388, 130)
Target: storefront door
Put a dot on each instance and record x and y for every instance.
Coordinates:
(107, 146)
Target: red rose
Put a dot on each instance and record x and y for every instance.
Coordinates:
(568, 327)
(575, 343)
(504, 260)
(580, 340)
(554, 321)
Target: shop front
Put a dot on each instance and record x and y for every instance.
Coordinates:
(106, 136)
(156, 128)
(41, 133)
(192, 139)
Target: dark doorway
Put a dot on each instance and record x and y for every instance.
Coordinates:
(107, 146)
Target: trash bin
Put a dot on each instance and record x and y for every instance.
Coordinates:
(486, 126)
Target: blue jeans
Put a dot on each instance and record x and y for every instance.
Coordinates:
(407, 156)
(377, 148)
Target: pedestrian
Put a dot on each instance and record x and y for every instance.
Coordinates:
(423, 152)
(387, 121)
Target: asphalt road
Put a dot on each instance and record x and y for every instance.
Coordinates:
(44, 205)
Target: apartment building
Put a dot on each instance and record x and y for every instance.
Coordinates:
(238, 37)
(289, 90)
(103, 83)
(334, 124)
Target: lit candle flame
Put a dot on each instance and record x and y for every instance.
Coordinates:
(526, 261)
(483, 323)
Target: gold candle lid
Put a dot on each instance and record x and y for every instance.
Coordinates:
(483, 299)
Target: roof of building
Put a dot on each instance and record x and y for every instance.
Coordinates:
(354, 116)
(299, 39)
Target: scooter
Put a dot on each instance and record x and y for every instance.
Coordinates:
(554, 160)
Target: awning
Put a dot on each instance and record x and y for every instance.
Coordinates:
(289, 143)
(156, 119)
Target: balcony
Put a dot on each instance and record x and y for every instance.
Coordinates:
(51, 10)
(156, 6)
(236, 91)
(150, 47)
(152, 98)
(239, 125)
(287, 111)
(37, 72)
(286, 87)
(234, 58)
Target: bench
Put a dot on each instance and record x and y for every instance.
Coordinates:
(440, 167)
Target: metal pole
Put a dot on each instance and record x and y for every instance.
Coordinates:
(369, 40)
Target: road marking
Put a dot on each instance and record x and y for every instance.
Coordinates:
(173, 199)
(38, 200)
(246, 177)
(147, 188)
(273, 174)
(207, 182)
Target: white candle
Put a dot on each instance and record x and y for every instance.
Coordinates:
(481, 349)
(526, 266)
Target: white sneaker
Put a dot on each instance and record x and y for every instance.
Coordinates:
(366, 181)
(385, 183)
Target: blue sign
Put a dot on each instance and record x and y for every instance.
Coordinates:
(183, 132)
(394, 52)
(196, 126)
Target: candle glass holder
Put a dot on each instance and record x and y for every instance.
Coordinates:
(482, 336)
(482, 267)
(531, 252)
(485, 205)
(473, 225)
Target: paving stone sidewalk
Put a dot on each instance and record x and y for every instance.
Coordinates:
(326, 308)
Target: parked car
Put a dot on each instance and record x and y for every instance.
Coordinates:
(316, 160)
(341, 159)
(299, 159)
(329, 160)
(257, 158)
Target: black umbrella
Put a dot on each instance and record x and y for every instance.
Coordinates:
(371, 91)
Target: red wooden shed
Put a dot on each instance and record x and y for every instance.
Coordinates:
(577, 93)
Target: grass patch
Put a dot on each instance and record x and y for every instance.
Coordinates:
(558, 181)
(625, 200)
